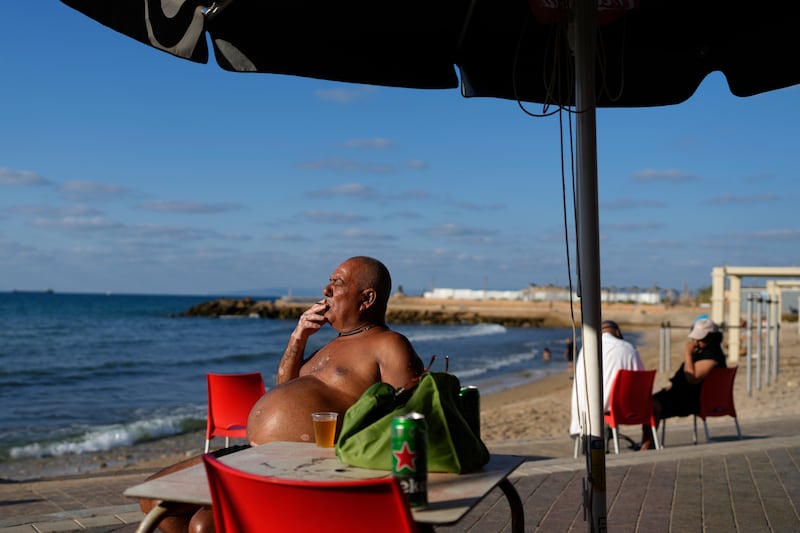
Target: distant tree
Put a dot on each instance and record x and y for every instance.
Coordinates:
(703, 295)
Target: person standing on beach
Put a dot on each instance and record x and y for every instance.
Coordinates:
(618, 354)
(365, 352)
(568, 350)
(703, 352)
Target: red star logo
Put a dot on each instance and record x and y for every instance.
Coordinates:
(406, 459)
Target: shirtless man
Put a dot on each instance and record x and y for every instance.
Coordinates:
(332, 379)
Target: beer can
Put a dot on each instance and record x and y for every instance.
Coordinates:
(409, 457)
(470, 401)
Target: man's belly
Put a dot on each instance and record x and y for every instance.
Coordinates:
(284, 412)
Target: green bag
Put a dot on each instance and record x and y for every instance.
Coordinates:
(365, 437)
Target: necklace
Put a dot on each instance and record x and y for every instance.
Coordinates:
(358, 330)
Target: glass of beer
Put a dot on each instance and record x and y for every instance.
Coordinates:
(324, 428)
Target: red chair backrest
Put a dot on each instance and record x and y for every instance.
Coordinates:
(630, 400)
(716, 393)
(248, 503)
(230, 398)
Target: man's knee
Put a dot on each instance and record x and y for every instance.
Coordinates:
(202, 521)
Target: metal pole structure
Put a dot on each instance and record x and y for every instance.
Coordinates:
(669, 346)
(768, 342)
(776, 332)
(758, 341)
(589, 258)
(749, 344)
(661, 346)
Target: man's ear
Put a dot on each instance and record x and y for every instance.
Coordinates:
(367, 298)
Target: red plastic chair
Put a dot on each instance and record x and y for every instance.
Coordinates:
(716, 398)
(631, 402)
(248, 503)
(230, 398)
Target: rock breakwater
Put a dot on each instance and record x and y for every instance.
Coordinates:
(415, 310)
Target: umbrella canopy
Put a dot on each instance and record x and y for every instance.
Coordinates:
(649, 52)
(581, 53)
(360, 41)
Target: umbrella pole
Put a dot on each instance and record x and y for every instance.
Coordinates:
(589, 259)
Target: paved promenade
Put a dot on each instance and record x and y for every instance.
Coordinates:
(751, 485)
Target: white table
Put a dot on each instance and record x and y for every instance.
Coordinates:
(450, 496)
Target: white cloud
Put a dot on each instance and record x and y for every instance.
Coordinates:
(667, 175)
(91, 191)
(376, 143)
(330, 217)
(10, 176)
(76, 223)
(346, 189)
(190, 208)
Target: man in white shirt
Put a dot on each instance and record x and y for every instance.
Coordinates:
(618, 354)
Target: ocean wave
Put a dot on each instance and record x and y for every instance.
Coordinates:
(495, 364)
(450, 332)
(104, 438)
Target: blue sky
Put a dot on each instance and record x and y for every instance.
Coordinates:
(125, 169)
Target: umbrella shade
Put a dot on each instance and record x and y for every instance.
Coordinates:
(360, 41)
(649, 52)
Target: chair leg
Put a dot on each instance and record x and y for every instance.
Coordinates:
(655, 437)
(694, 430)
(663, 432)
(577, 446)
(738, 431)
(208, 444)
(227, 442)
(616, 440)
(705, 426)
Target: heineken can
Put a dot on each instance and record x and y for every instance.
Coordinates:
(409, 457)
(470, 401)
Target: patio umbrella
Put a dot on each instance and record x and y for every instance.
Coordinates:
(581, 53)
(650, 52)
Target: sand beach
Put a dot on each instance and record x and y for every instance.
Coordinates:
(535, 410)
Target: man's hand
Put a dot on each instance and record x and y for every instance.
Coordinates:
(311, 321)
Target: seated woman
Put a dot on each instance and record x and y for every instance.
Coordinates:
(703, 352)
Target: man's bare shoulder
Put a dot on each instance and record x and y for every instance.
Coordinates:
(396, 354)
(394, 341)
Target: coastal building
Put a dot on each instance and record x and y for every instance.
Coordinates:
(552, 293)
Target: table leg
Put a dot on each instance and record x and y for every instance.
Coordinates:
(514, 501)
(151, 520)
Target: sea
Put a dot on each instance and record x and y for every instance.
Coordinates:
(83, 373)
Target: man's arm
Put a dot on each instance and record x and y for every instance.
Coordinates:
(310, 322)
(399, 363)
(291, 361)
